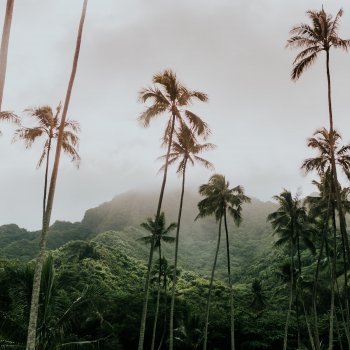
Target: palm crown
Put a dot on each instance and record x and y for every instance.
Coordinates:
(220, 197)
(322, 163)
(169, 95)
(158, 231)
(48, 125)
(185, 148)
(321, 35)
(289, 220)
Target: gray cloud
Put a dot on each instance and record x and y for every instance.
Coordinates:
(233, 50)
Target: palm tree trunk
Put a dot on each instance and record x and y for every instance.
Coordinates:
(230, 284)
(165, 312)
(46, 175)
(158, 298)
(336, 187)
(172, 306)
(333, 277)
(301, 293)
(314, 292)
(290, 298)
(4, 46)
(210, 288)
(31, 338)
(148, 276)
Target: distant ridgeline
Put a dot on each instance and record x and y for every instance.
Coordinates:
(118, 222)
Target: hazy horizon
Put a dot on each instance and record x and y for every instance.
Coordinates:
(233, 51)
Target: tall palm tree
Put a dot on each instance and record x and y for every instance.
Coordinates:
(48, 126)
(323, 208)
(31, 338)
(330, 156)
(168, 96)
(184, 150)
(158, 234)
(4, 46)
(322, 35)
(219, 199)
(289, 222)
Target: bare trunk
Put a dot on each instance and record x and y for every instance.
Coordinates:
(285, 341)
(314, 292)
(333, 277)
(230, 285)
(301, 291)
(46, 175)
(210, 288)
(31, 338)
(341, 214)
(165, 313)
(148, 276)
(172, 306)
(4, 46)
(158, 298)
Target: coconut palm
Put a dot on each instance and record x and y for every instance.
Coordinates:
(158, 234)
(184, 150)
(289, 223)
(322, 208)
(48, 126)
(219, 199)
(31, 338)
(4, 47)
(321, 142)
(322, 35)
(330, 156)
(168, 96)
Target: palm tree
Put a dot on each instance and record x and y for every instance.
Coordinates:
(330, 155)
(167, 95)
(322, 35)
(4, 46)
(289, 222)
(31, 338)
(219, 199)
(322, 208)
(158, 233)
(184, 150)
(48, 126)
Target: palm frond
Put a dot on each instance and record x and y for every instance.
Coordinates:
(302, 65)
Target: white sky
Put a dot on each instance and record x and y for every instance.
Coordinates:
(232, 50)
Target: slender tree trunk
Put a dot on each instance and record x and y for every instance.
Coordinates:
(158, 298)
(4, 46)
(46, 175)
(301, 292)
(333, 277)
(210, 289)
(31, 338)
(285, 341)
(148, 276)
(232, 311)
(172, 306)
(336, 187)
(165, 312)
(314, 292)
(344, 323)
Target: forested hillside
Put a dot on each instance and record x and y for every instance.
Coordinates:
(122, 217)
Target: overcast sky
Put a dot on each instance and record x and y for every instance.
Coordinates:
(234, 50)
